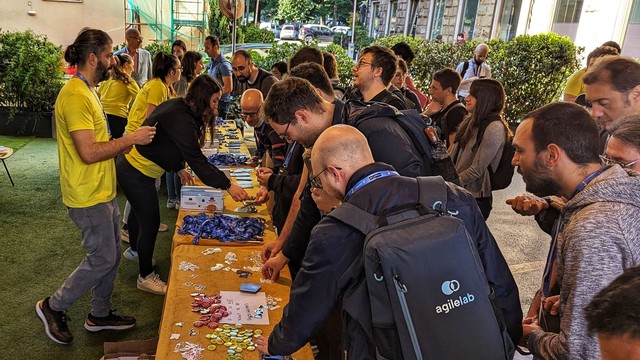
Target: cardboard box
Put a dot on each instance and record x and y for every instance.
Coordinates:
(130, 350)
(201, 198)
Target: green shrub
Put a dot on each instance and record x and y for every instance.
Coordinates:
(30, 72)
(284, 52)
(156, 47)
(533, 69)
(253, 34)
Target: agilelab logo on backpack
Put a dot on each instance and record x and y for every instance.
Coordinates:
(448, 288)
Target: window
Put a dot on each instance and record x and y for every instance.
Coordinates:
(635, 13)
(375, 21)
(469, 19)
(438, 18)
(393, 9)
(509, 19)
(568, 11)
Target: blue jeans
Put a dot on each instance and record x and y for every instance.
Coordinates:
(223, 109)
(97, 271)
(173, 185)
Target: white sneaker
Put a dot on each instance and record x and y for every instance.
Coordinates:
(177, 204)
(171, 203)
(133, 256)
(163, 227)
(152, 284)
(124, 235)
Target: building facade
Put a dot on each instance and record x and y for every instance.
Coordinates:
(588, 23)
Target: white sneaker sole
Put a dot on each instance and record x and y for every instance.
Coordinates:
(140, 287)
(96, 328)
(46, 324)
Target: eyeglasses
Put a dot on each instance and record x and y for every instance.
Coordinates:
(315, 181)
(246, 114)
(609, 161)
(239, 68)
(362, 63)
(283, 136)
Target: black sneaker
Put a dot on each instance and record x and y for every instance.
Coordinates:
(55, 322)
(110, 322)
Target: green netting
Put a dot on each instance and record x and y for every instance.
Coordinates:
(166, 18)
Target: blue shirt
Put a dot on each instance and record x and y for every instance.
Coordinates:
(219, 68)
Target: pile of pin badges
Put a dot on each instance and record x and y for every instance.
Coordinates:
(210, 310)
(234, 338)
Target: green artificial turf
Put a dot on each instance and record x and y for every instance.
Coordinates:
(41, 247)
(14, 142)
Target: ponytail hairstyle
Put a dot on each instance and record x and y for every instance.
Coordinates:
(87, 42)
(490, 100)
(198, 99)
(117, 72)
(162, 66)
(189, 62)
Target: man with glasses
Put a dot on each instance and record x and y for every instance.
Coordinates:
(283, 177)
(598, 235)
(141, 58)
(332, 276)
(249, 76)
(373, 73)
(219, 68)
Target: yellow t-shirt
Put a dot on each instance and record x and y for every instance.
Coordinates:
(154, 92)
(143, 164)
(575, 86)
(115, 96)
(83, 185)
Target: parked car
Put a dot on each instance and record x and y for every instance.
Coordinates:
(312, 32)
(341, 29)
(289, 32)
(260, 48)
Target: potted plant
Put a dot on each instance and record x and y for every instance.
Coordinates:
(31, 75)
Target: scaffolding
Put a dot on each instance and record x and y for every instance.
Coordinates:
(166, 21)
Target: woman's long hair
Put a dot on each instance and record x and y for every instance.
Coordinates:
(490, 100)
(162, 66)
(117, 72)
(189, 61)
(199, 100)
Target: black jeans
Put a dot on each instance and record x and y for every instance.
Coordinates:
(144, 217)
(116, 125)
(485, 204)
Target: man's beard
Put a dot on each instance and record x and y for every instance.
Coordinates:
(243, 79)
(102, 72)
(539, 181)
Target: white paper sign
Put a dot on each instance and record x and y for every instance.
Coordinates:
(242, 308)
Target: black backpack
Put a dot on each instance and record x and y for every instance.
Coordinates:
(429, 296)
(415, 125)
(502, 176)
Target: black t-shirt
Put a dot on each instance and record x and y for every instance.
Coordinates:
(455, 113)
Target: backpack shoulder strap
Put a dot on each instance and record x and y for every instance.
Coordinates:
(432, 193)
(443, 121)
(355, 217)
(465, 67)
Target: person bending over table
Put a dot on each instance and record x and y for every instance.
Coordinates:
(181, 127)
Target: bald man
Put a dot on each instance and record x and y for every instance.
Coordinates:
(283, 177)
(332, 274)
(141, 57)
(475, 68)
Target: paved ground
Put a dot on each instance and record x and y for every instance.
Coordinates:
(523, 244)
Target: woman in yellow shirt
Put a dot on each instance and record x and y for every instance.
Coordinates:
(166, 71)
(117, 93)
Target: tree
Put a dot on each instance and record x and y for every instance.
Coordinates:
(218, 24)
(296, 10)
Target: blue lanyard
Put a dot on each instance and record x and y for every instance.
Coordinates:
(369, 179)
(289, 154)
(86, 82)
(553, 251)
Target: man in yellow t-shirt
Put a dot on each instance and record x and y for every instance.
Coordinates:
(575, 85)
(88, 183)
